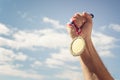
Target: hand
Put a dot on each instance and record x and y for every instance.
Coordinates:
(83, 20)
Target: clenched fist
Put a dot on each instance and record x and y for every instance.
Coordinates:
(82, 21)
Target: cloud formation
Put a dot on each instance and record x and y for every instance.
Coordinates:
(103, 44)
(46, 38)
(7, 58)
(3, 29)
(115, 27)
(70, 75)
(11, 71)
(7, 55)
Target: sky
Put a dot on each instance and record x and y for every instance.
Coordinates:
(35, 45)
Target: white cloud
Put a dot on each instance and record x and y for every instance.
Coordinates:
(56, 60)
(7, 55)
(103, 44)
(102, 39)
(36, 64)
(70, 75)
(106, 53)
(4, 29)
(55, 23)
(21, 57)
(64, 55)
(50, 38)
(115, 27)
(11, 71)
(28, 39)
(5, 41)
(52, 63)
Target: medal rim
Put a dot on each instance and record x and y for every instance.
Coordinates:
(77, 54)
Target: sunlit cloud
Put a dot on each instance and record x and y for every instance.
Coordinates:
(4, 29)
(11, 71)
(54, 23)
(70, 75)
(115, 27)
(36, 64)
(7, 55)
(61, 59)
(28, 39)
(50, 38)
(103, 44)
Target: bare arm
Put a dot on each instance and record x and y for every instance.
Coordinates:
(92, 66)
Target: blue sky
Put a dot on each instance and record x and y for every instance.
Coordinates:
(34, 43)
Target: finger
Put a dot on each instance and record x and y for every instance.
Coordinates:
(71, 31)
(70, 27)
(78, 19)
(87, 16)
(76, 16)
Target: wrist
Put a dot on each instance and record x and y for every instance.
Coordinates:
(88, 39)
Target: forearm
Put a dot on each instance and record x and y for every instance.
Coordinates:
(92, 64)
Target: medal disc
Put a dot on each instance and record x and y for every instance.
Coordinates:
(77, 46)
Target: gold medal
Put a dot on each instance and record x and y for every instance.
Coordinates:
(77, 46)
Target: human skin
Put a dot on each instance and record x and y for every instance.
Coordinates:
(92, 66)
